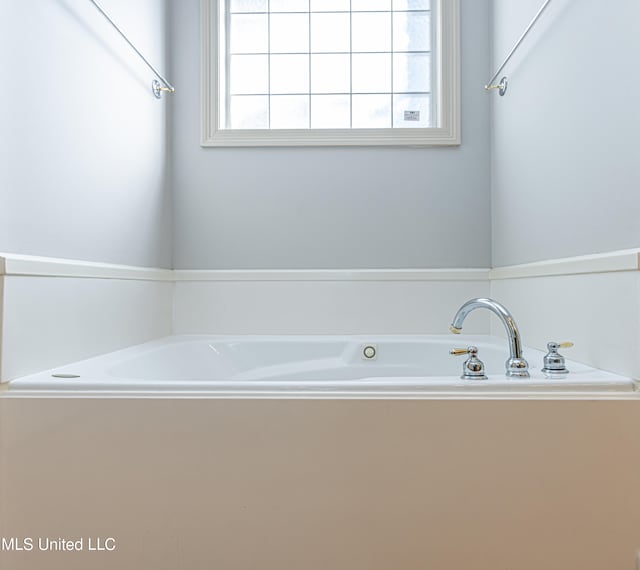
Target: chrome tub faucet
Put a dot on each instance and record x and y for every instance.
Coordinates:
(516, 365)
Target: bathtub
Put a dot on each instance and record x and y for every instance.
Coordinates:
(310, 366)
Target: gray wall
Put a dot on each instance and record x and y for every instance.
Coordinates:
(83, 166)
(330, 208)
(566, 158)
(82, 139)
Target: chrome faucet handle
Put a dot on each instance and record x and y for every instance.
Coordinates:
(473, 367)
(554, 363)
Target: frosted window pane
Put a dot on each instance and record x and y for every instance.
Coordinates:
(412, 31)
(289, 5)
(328, 64)
(411, 5)
(249, 112)
(330, 112)
(411, 72)
(289, 33)
(371, 32)
(330, 73)
(249, 74)
(290, 112)
(411, 111)
(330, 33)
(371, 111)
(371, 73)
(289, 74)
(371, 5)
(249, 5)
(249, 33)
(330, 5)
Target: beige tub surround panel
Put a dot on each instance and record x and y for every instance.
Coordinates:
(285, 485)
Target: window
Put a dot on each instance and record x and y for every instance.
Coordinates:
(330, 72)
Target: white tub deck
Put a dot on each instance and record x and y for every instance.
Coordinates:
(312, 366)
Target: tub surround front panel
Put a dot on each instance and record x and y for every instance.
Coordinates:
(376, 485)
(1, 319)
(307, 304)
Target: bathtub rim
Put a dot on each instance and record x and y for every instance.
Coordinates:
(594, 396)
(366, 393)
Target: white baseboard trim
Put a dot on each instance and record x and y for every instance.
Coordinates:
(613, 261)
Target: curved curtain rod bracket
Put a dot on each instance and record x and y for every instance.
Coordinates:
(157, 89)
(501, 87)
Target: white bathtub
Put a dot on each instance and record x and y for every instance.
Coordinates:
(308, 366)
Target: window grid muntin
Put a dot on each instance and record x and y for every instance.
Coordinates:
(310, 94)
(391, 78)
(269, 63)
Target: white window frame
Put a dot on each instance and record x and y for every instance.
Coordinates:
(447, 132)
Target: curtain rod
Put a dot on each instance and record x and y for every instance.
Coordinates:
(502, 86)
(156, 87)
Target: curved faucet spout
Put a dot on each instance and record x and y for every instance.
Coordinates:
(516, 365)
